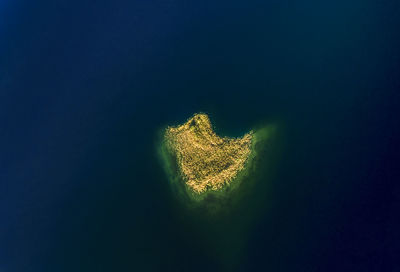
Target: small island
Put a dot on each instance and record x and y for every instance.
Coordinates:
(206, 161)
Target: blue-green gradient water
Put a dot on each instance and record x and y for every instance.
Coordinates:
(85, 87)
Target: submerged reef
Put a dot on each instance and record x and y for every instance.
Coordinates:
(223, 182)
(206, 162)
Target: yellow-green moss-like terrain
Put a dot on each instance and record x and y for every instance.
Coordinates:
(205, 160)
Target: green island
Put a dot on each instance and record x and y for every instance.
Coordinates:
(200, 164)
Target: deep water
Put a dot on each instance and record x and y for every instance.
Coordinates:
(85, 88)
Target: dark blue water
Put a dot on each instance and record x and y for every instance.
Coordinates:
(85, 87)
